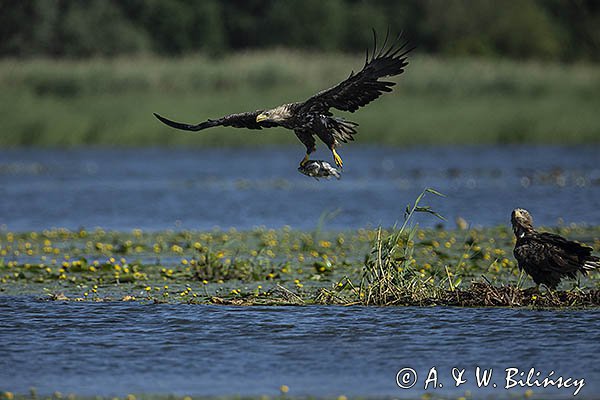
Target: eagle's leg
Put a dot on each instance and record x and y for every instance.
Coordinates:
(337, 158)
(305, 160)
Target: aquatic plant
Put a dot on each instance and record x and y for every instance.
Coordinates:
(421, 266)
(389, 276)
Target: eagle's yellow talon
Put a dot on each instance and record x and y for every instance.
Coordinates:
(304, 160)
(337, 159)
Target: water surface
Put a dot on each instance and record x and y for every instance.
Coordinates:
(159, 189)
(120, 348)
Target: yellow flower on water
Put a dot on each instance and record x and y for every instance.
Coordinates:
(147, 288)
(284, 389)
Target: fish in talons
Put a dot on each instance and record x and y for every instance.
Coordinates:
(318, 169)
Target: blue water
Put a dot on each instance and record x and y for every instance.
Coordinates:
(120, 348)
(157, 189)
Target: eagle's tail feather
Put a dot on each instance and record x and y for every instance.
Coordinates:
(341, 129)
(591, 263)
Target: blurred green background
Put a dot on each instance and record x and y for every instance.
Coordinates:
(75, 72)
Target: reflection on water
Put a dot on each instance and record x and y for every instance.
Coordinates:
(200, 189)
(120, 348)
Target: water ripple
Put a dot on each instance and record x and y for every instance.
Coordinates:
(116, 348)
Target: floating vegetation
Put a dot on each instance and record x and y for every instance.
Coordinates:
(403, 265)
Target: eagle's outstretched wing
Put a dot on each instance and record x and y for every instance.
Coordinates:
(363, 87)
(242, 120)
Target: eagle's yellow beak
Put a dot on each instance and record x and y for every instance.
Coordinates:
(261, 117)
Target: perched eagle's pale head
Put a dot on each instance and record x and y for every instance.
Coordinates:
(521, 221)
(277, 114)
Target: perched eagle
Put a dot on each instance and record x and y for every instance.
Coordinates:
(313, 116)
(547, 257)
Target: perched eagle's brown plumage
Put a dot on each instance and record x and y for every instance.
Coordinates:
(313, 116)
(548, 257)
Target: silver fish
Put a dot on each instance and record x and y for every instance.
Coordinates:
(318, 169)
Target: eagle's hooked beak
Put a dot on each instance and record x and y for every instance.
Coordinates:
(518, 213)
(261, 117)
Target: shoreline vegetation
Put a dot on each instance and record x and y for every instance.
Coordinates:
(404, 265)
(437, 101)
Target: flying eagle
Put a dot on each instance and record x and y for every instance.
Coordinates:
(547, 257)
(313, 116)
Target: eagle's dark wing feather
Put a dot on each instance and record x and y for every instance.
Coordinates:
(548, 258)
(565, 244)
(242, 120)
(363, 87)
